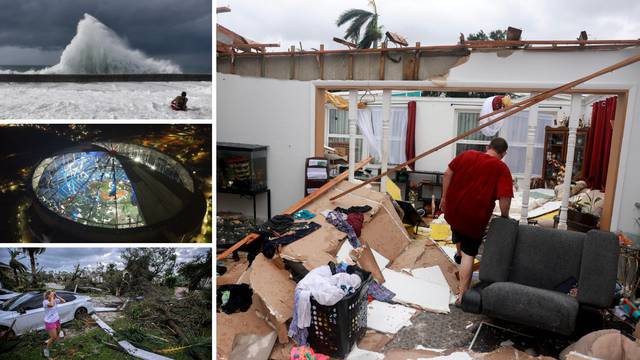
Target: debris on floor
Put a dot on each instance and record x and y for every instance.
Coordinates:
(388, 318)
(417, 275)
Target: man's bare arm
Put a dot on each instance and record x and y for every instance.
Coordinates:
(505, 204)
(448, 174)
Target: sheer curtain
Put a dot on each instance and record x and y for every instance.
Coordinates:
(370, 123)
(514, 131)
(365, 123)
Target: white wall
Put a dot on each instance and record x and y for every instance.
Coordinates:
(267, 112)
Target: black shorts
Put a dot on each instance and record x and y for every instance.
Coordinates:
(468, 245)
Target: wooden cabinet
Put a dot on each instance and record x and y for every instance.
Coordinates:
(555, 148)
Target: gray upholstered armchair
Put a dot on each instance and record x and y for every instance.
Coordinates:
(523, 268)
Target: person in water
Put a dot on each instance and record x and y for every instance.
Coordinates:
(180, 102)
(51, 318)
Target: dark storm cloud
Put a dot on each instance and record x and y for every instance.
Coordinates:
(179, 30)
(65, 259)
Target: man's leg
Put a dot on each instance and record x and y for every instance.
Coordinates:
(466, 268)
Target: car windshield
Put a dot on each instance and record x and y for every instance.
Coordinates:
(5, 292)
(13, 304)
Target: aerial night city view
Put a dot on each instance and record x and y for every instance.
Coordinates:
(105, 183)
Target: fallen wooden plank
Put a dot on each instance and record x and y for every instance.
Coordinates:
(130, 349)
(506, 112)
(297, 206)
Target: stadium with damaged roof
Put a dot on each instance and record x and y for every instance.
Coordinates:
(105, 191)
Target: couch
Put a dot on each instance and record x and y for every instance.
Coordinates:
(526, 272)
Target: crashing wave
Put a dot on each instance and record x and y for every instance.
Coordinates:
(96, 49)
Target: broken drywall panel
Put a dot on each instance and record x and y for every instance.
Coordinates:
(407, 259)
(431, 274)
(508, 353)
(250, 346)
(402, 354)
(388, 318)
(360, 354)
(346, 248)
(382, 229)
(458, 355)
(433, 255)
(450, 251)
(430, 297)
(275, 288)
(228, 326)
(233, 274)
(374, 341)
(244, 277)
(282, 351)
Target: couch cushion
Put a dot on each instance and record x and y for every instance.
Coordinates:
(545, 258)
(498, 250)
(599, 269)
(540, 308)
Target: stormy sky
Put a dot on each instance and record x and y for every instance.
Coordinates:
(432, 22)
(34, 32)
(65, 259)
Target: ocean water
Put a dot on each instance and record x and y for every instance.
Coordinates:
(105, 100)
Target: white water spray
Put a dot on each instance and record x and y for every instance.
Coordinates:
(96, 49)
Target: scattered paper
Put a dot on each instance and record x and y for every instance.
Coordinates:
(388, 318)
(411, 290)
(359, 354)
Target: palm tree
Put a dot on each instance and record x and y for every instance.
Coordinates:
(358, 18)
(16, 265)
(32, 252)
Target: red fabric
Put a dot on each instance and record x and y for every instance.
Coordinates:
(598, 147)
(410, 145)
(356, 219)
(496, 103)
(478, 180)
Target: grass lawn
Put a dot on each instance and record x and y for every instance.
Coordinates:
(88, 343)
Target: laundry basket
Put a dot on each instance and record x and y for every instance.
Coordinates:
(334, 329)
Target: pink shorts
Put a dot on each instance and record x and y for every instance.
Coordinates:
(51, 326)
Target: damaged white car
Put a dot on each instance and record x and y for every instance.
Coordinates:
(25, 312)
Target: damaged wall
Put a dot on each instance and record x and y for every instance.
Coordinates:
(533, 69)
(267, 112)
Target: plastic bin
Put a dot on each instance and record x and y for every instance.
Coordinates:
(335, 329)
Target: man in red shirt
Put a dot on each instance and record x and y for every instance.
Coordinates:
(472, 183)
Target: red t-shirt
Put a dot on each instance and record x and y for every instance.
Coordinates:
(478, 180)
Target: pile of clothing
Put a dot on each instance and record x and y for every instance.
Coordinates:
(283, 230)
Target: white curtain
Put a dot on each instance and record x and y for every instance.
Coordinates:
(370, 123)
(365, 124)
(514, 131)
